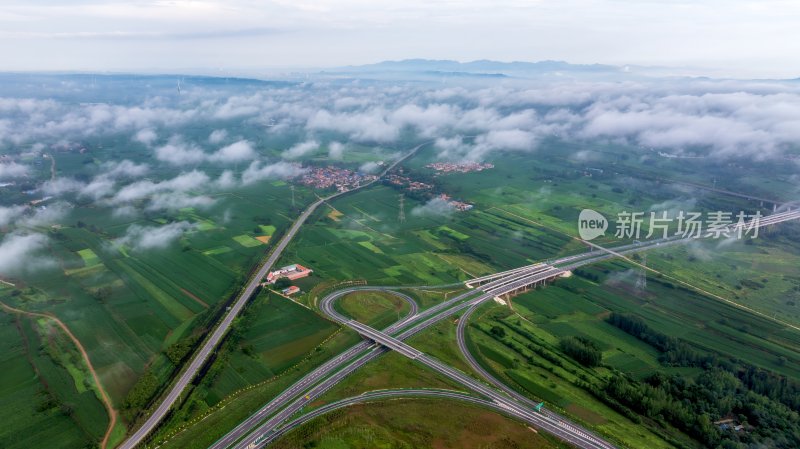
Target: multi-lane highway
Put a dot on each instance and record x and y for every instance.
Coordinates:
(377, 396)
(385, 395)
(417, 323)
(496, 285)
(557, 426)
(210, 344)
(310, 379)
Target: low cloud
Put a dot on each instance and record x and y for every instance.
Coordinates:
(279, 170)
(720, 118)
(435, 208)
(61, 186)
(22, 253)
(9, 215)
(509, 139)
(13, 170)
(699, 251)
(146, 238)
(301, 149)
(46, 215)
(226, 180)
(33, 217)
(180, 153)
(175, 201)
(142, 189)
(369, 167)
(336, 150)
(124, 212)
(102, 185)
(455, 148)
(217, 136)
(124, 169)
(146, 136)
(370, 125)
(674, 207)
(235, 152)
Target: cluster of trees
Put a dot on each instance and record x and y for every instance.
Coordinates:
(771, 385)
(674, 352)
(140, 395)
(90, 227)
(178, 351)
(765, 403)
(465, 248)
(587, 275)
(583, 350)
(693, 404)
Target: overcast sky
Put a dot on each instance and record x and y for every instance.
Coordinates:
(728, 37)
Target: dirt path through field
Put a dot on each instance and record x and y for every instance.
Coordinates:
(112, 413)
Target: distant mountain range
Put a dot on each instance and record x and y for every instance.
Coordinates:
(481, 68)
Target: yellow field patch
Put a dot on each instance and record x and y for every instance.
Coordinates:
(264, 238)
(335, 215)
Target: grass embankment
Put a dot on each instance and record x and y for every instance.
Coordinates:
(416, 424)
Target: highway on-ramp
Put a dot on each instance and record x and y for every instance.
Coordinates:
(322, 378)
(381, 395)
(260, 435)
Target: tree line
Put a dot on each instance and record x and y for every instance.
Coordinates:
(764, 403)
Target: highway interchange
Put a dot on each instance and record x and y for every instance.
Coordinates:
(271, 420)
(511, 402)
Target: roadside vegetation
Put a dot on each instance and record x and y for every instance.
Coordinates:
(417, 424)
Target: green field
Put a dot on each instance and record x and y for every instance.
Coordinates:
(275, 341)
(267, 229)
(517, 224)
(528, 355)
(276, 334)
(246, 241)
(390, 371)
(127, 306)
(89, 257)
(419, 424)
(44, 392)
(130, 306)
(376, 309)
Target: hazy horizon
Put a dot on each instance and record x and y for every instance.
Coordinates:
(738, 38)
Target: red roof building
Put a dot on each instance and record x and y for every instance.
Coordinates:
(291, 272)
(290, 290)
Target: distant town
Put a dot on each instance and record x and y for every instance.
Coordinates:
(465, 167)
(341, 179)
(400, 180)
(423, 190)
(458, 205)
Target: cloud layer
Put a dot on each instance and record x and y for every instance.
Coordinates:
(143, 238)
(22, 253)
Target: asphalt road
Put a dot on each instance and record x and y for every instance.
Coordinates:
(210, 344)
(462, 345)
(557, 426)
(560, 427)
(310, 379)
(516, 278)
(377, 396)
(423, 320)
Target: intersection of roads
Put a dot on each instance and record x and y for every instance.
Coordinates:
(283, 413)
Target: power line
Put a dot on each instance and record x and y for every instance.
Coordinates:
(401, 217)
(641, 281)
